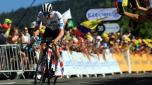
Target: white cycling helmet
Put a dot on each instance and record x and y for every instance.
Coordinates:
(47, 7)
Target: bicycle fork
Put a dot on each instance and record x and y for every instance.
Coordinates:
(51, 62)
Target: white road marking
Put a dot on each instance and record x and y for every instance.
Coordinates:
(7, 83)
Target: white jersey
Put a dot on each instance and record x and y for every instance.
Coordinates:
(55, 22)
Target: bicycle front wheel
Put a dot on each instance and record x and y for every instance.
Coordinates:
(40, 74)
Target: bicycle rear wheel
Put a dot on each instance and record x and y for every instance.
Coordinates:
(40, 75)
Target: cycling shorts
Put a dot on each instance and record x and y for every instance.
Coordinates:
(51, 34)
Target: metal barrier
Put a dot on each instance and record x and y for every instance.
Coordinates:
(18, 59)
(15, 59)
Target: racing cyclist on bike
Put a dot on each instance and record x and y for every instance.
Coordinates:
(53, 21)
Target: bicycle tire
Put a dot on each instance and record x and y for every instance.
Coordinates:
(45, 70)
(52, 78)
(40, 70)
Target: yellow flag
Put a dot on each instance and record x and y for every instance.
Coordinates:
(125, 3)
(91, 24)
(7, 32)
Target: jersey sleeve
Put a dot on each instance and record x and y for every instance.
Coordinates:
(61, 22)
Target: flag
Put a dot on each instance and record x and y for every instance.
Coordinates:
(7, 32)
(71, 23)
(66, 15)
(91, 24)
(83, 29)
(125, 3)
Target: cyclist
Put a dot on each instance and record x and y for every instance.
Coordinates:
(54, 24)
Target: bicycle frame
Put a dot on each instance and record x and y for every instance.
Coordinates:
(49, 65)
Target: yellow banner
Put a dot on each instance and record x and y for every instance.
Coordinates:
(121, 61)
(141, 62)
(135, 63)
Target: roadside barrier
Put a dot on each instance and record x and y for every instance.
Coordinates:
(10, 61)
(14, 59)
(76, 63)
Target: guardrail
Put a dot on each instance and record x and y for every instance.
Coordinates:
(14, 59)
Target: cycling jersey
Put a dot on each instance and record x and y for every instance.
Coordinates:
(55, 22)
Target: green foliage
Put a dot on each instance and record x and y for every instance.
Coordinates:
(146, 30)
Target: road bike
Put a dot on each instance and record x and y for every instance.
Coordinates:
(46, 66)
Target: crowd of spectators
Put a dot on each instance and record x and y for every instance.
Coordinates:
(87, 43)
(93, 43)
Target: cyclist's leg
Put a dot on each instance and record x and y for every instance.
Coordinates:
(42, 65)
(56, 53)
(46, 36)
(55, 33)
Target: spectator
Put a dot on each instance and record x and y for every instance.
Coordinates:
(12, 50)
(14, 36)
(4, 31)
(25, 38)
(89, 37)
(67, 41)
(25, 46)
(0, 25)
(35, 42)
(97, 44)
(146, 14)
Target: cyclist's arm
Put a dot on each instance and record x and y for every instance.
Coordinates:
(60, 35)
(141, 8)
(61, 27)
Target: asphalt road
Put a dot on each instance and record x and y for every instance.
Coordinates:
(125, 79)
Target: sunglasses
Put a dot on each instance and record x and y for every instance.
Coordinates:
(46, 13)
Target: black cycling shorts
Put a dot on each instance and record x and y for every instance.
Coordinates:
(51, 34)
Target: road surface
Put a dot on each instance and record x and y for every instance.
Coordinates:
(125, 79)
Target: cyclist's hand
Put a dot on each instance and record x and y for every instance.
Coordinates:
(54, 42)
